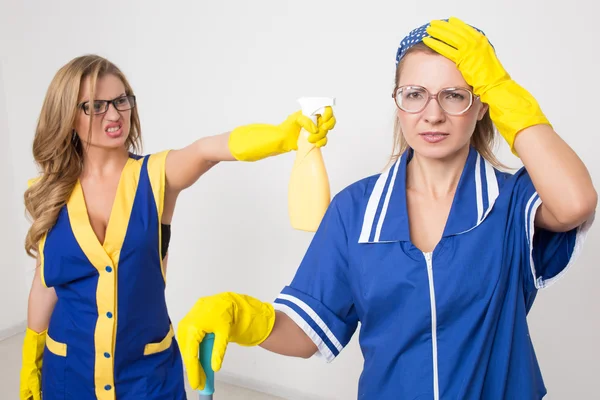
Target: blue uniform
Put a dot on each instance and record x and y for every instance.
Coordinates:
(450, 324)
(110, 336)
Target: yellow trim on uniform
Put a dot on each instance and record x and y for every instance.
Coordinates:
(42, 242)
(102, 256)
(157, 176)
(82, 229)
(118, 223)
(121, 209)
(41, 246)
(31, 181)
(105, 292)
(60, 349)
(153, 348)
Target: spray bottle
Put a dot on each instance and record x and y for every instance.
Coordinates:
(309, 193)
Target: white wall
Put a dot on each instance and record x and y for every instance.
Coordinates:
(13, 293)
(201, 68)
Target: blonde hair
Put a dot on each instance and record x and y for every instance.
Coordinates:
(57, 150)
(483, 139)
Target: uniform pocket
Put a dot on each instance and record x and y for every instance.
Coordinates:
(54, 370)
(57, 348)
(165, 344)
(164, 375)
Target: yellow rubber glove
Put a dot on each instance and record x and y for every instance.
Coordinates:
(231, 317)
(257, 141)
(31, 370)
(512, 108)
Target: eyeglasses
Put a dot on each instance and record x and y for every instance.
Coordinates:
(122, 103)
(414, 99)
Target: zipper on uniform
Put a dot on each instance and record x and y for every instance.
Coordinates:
(429, 260)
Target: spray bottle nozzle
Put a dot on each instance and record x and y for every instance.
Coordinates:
(311, 106)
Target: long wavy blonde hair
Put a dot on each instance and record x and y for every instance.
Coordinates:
(57, 150)
(483, 139)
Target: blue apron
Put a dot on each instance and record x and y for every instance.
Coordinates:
(110, 336)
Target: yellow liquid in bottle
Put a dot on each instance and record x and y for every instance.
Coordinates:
(309, 193)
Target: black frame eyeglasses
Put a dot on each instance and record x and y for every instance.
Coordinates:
(452, 100)
(121, 103)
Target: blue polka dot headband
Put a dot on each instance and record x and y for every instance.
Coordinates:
(414, 37)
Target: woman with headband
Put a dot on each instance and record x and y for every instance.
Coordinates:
(441, 256)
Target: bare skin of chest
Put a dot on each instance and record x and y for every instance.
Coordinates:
(99, 199)
(427, 218)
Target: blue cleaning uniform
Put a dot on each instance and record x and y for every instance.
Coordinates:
(110, 336)
(450, 324)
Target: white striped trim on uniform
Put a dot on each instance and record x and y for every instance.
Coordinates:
(379, 190)
(373, 203)
(305, 326)
(533, 204)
